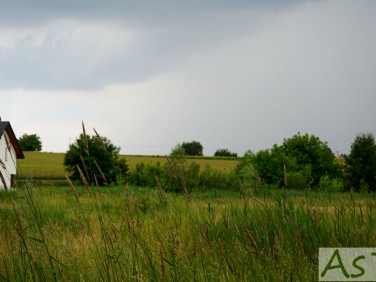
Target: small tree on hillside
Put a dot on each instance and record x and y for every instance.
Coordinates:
(224, 153)
(91, 152)
(30, 142)
(193, 148)
(361, 163)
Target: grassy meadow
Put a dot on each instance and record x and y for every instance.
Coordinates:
(129, 233)
(50, 166)
(136, 234)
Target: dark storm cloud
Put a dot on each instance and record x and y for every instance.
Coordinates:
(40, 49)
(142, 12)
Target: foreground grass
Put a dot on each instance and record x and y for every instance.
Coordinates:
(138, 234)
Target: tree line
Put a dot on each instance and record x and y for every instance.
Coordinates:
(302, 161)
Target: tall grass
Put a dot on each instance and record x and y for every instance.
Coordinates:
(134, 234)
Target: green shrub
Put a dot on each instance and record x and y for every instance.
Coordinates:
(297, 180)
(327, 184)
(214, 179)
(171, 177)
(145, 174)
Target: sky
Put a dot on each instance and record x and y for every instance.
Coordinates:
(241, 75)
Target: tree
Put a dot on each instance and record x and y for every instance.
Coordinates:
(272, 164)
(94, 155)
(193, 148)
(312, 154)
(361, 162)
(224, 153)
(30, 142)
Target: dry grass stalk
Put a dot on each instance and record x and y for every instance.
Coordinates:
(86, 143)
(97, 185)
(172, 167)
(84, 166)
(255, 172)
(4, 261)
(72, 188)
(160, 190)
(256, 200)
(130, 228)
(83, 179)
(18, 218)
(251, 240)
(128, 196)
(362, 216)
(284, 175)
(162, 262)
(21, 232)
(102, 174)
(183, 183)
(138, 215)
(227, 223)
(230, 267)
(100, 140)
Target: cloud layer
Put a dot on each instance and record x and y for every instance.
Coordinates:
(240, 76)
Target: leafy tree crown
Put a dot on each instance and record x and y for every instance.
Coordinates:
(309, 150)
(88, 152)
(361, 162)
(30, 142)
(193, 148)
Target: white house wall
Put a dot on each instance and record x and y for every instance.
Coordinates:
(8, 159)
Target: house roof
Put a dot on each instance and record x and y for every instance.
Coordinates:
(6, 127)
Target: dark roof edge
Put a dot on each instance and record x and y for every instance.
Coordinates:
(5, 126)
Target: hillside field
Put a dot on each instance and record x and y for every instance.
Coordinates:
(40, 165)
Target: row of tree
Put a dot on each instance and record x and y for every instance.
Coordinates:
(306, 161)
(301, 161)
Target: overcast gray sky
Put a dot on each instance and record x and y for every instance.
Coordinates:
(150, 74)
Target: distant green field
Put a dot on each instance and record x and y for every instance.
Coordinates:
(50, 165)
(42, 165)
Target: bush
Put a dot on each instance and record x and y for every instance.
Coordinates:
(327, 184)
(297, 180)
(88, 151)
(214, 179)
(145, 174)
(170, 178)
